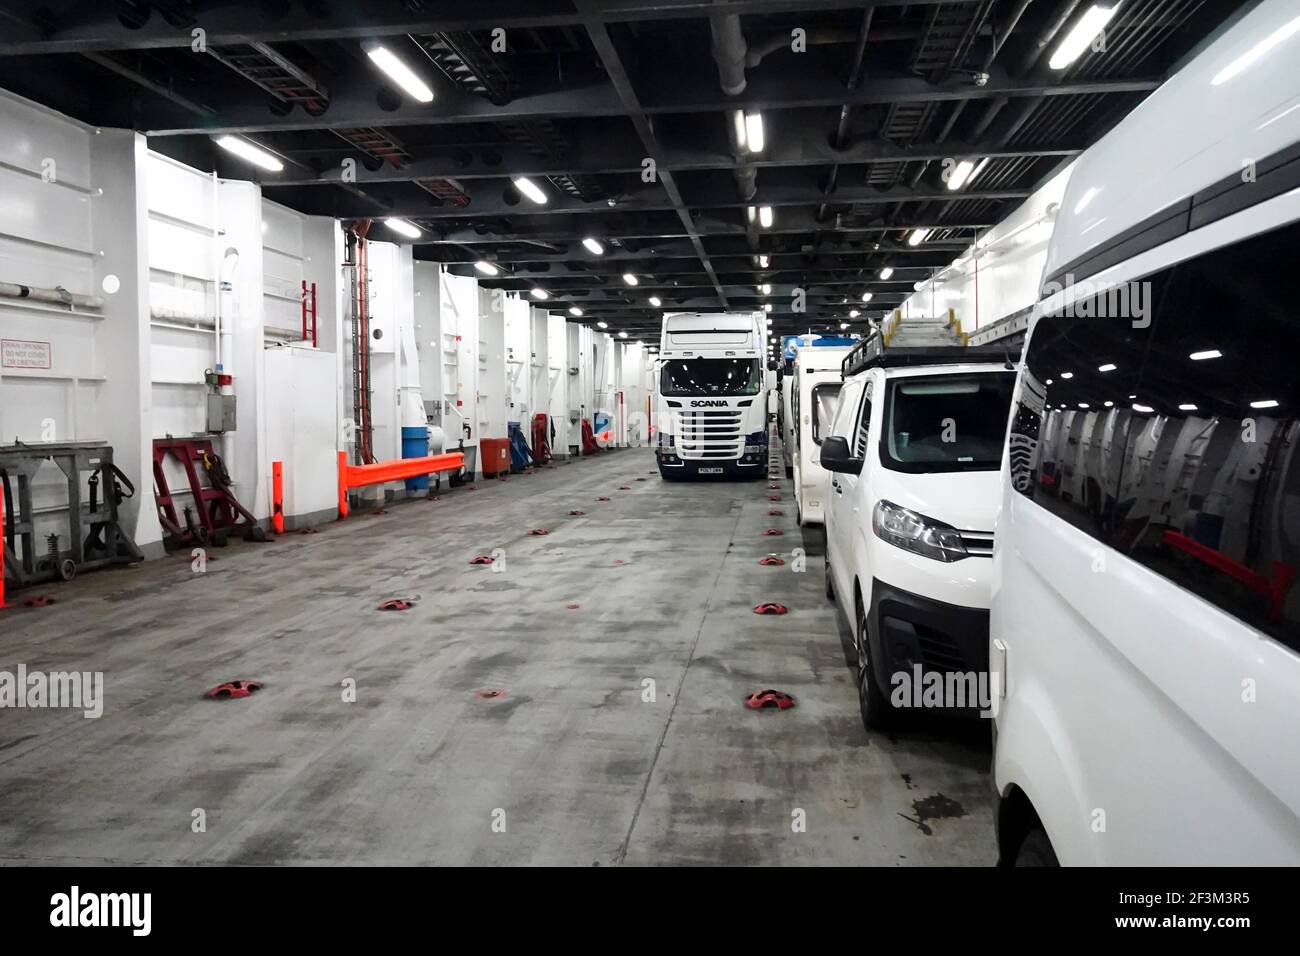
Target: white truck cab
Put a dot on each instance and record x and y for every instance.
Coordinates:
(711, 396)
(1145, 615)
(915, 452)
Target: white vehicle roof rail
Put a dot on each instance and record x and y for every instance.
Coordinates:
(1015, 324)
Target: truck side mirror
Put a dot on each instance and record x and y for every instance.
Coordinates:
(836, 456)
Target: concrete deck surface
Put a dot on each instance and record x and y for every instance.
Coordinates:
(418, 769)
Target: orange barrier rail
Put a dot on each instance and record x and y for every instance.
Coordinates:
(395, 469)
(277, 496)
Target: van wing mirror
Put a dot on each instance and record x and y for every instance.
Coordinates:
(836, 457)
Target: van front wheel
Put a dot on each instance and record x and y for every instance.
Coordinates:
(877, 712)
(1036, 850)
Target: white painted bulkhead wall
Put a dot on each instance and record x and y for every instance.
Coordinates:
(1000, 273)
(134, 370)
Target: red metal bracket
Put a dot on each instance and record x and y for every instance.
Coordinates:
(1273, 587)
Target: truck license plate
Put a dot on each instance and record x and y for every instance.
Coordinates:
(710, 471)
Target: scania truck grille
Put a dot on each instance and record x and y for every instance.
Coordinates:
(710, 434)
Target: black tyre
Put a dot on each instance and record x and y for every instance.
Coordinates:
(1036, 850)
(830, 582)
(877, 712)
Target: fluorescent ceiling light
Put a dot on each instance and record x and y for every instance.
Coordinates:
(767, 306)
(1247, 59)
(754, 132)
(1108, 367)
(764, 261)
(1187, 407)
(602, 325)
(1083, 404)
(886, 272)
(843, 326)
(960, 173)
(765, 216)
(1108, 404)
(1207, 354)
(1265, 403)
(1142, 408)
(530, 189)
(854, 313)
(404, 228)
(594, 246)
(629, 278)
(917, 237)
(622, 335)
(401, 74)
(866, 296)
(738, 121)
(574, 310)
(253, 154)
(540, 293)
(1067, 375)
(1085, 31)
(485, 267)
(751, 212)
(765, 288)
(655, 301)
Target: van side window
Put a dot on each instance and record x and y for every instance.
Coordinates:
(846, 414)
(825, 398)
(1162, 420)
(864, 424)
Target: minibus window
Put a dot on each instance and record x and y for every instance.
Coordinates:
(946, 422)
(825, 399)
(1171, 434)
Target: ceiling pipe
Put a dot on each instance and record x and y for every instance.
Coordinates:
(1041, 43)
(729, 51)
(55, 296)
(846, 109)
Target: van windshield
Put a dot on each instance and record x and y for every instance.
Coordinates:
(710, 376)
(946, 422)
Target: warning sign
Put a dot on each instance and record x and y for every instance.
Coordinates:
(20, 353)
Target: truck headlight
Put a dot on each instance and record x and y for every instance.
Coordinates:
(910, 531)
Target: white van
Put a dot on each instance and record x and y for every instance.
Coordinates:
(1145, 618)
(814, 394)
(915, 450)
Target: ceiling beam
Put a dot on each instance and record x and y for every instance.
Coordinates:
(95, 26)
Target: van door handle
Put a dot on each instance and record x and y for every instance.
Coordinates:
(836, 486)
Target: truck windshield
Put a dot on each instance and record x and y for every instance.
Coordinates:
(946, 422)
(710, 376)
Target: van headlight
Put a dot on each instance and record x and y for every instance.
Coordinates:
(910, 531)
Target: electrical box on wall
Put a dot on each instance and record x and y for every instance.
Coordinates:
(221, 413)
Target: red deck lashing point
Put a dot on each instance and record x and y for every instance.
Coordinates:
(768, 699)
(481, 559)
(490, 693)
(640, 479)
(773, 533)
(775, 513)
(773, 497)
(624, 487)
(770, 608)
(305, 531)
(771, 560)
(576, 514)
(603, 498)
(41, 600)
(573, 607)
(396, 604)
(537, 532)
(234, 688)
